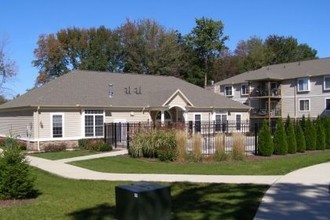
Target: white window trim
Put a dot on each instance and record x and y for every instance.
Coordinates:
(324, 86)
(51, 125)
(232, 90)
(310, 105)
(247, 87)
(198, 113)
(308, 84)
(325, 104)
(83, 132)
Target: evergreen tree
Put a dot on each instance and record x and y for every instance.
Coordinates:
(310, 135)
(291, 138)
(320, 134)
(303, 123)
(280, 139)
(265, 142)
(300, 138)
(326, 125)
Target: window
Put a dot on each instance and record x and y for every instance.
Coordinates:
(303, 85)
(326, 83)
(238, 122)
(244, 89)
(198, 122)
(57, 125)
(228, 91)
(220, 122)
(94, 120)
(304, 105)
(327, 104)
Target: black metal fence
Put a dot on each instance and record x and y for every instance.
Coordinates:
(121, 134)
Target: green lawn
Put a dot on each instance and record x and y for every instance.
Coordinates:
(82, 199)
(269, 166)
(63, 154)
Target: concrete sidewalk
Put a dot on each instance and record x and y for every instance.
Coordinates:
(301, 194)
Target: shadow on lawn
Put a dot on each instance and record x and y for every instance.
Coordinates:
(216, 201)
(101, 211)
(198, 201)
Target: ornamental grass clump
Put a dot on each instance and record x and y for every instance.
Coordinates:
(197, 141)
(181, 145)
(238, 151)
(220, 148)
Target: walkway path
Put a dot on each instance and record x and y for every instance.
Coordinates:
(302, 194)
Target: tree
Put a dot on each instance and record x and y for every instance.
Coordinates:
(326, 125)
(207, 41)
(8, 68)
(265, 142)
(300, 138)
(291, 137)
(16, 181)
(150, 48)
(320, 134)
(310, 135)
(280, 139)
(282, 49)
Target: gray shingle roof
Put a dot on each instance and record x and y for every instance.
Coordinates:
(91, 89)
(317, 67)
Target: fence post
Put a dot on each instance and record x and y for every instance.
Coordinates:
(256, 139)
(105, 133)
(115, 132)
(127, 124)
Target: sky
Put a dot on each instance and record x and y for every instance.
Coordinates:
(23, 21)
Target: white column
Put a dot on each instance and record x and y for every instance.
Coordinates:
(162, 117)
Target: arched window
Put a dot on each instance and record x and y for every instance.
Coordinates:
(167, 116)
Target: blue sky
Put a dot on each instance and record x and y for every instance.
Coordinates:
(22, 22)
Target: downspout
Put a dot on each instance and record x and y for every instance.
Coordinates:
(38, 130)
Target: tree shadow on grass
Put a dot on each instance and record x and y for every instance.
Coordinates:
(216, 201)
(99, 212)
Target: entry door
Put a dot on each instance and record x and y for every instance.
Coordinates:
(220, 122)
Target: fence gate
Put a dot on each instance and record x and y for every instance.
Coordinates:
(115, 134)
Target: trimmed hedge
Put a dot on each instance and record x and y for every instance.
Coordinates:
(280, 139)
(265, 142)
(94, 145)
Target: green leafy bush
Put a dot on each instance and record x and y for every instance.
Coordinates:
(310, 135)
(291, 137)
(300, 138)
(16, 180)
(94, 145)
(280, 139)
(265, 142)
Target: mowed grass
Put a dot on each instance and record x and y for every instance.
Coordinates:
(63, 154)
(277, 165)
(83, 199)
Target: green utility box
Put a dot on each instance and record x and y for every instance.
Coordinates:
(143, 201)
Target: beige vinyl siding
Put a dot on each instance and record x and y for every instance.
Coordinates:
(178, 101)
(132, 116)
(16, 124)
(316, 95)
(44, 125)
(72, 124)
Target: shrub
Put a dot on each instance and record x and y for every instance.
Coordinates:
(326, 125)
(280, 139)
(135, 150)
(265, 142)
(238, 152)
(291, 137)
(165, 145)
(310, 135)
(94, 145)
(220, 148)
(54, 147)
(197, 147)
(300, 138)
(181, 145)
(303, 123)
(16, 180)
(320, 134)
